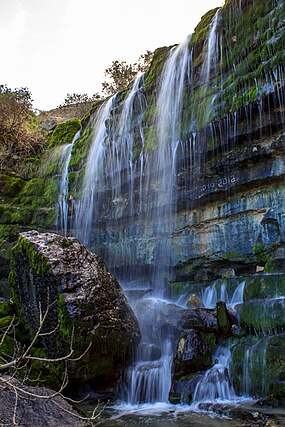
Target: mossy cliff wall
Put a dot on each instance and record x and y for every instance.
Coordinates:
(229, 184)
(229, 164)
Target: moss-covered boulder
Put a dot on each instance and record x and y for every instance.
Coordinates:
(83, 299)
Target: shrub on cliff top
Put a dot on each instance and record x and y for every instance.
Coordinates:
(20, 136)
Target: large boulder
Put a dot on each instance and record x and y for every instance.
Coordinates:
(34, 406)
(84, 301)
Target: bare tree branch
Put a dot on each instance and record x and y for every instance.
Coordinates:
(18, 362)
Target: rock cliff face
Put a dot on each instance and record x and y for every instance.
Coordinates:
(179, 179)
(50, 271)
(210, 180)
(204, 190)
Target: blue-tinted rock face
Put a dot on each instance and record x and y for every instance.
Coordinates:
(193, 176)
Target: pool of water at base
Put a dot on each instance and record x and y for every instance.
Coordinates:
(167, 415)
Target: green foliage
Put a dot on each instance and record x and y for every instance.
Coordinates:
(201, 30)
(34, 204)
(155, 68)
(263, 316)
(261, 254)
(80, 149)
(10, 185)
(20, 138)
(265, 286)
(37, 260)
(76, 98)
(64, 133)
(65, 323)
(121, 73)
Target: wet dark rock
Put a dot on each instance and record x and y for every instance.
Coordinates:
(202, 319)
(224, 318)
(51, 269)
(182, 390)
(194, 302)
(194, 353)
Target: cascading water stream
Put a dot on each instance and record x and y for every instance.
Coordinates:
(216, 384)
(149, 379)
(210, 61)
(93, 174)
(168, 123)
(215, 292)
(62, 219)
(124, 144)
(111, 166)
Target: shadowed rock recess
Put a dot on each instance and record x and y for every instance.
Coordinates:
(178, 183)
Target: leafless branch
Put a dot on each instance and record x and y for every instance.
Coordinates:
(19, 362)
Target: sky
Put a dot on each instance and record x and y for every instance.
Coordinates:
(56, 47)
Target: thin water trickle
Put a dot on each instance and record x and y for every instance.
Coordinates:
(93, 174)
(216, 384)
(62, 220)
(218, 292)
(212, 49)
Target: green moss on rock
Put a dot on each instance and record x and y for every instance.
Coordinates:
(37, 260)
(11, 185)
(264, 286)
(64, 132)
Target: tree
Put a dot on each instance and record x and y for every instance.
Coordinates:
(122, 73)
(20, 137)
(78, 98)
(78, 103)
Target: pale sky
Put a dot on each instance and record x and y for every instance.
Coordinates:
(55, 47)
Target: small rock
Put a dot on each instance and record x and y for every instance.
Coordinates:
(195, 302)
(227, 274)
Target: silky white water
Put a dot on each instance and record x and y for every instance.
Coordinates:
(93, 174)
(216, 384)
(62, 220)
(149, 379)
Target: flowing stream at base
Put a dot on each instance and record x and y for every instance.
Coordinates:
(149, 379)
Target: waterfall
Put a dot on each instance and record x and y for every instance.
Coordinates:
(149, 379)
(93, 174)
(62, 217)
(212, 51)
(216, 384)
(219, 292)
(169, 105)
(148, 162)
(255, 369)
(111, 165)
(123, 147)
